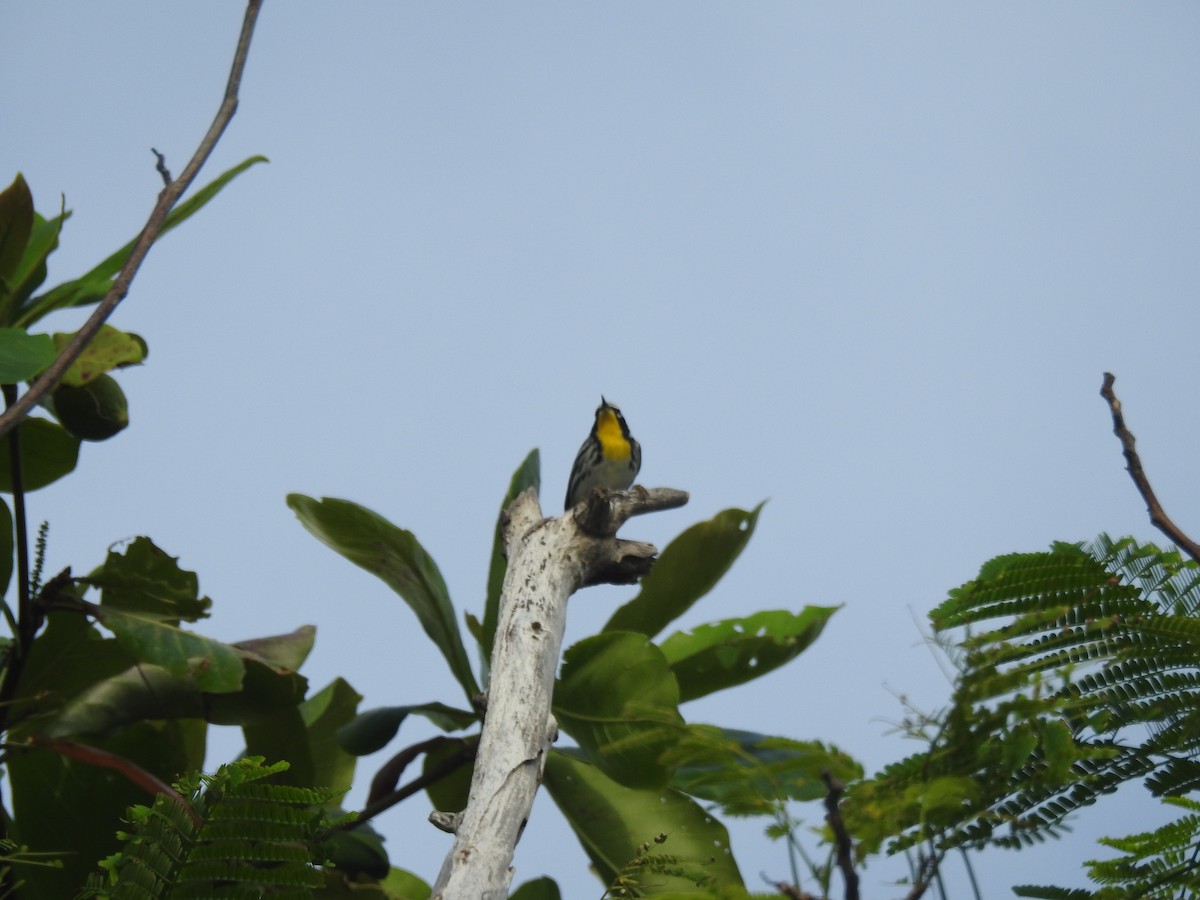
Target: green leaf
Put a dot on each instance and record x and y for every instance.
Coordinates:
(23, 355)
(450, 792)
(210, 664)
(620, 826)
(64, 804)
(286, 651)
(16, 223)
(528, 475)
(265, 690)
(91, 287)
(69, 656)
(397, 558)
(686, 570)
(618, 699)
(324, 714)
(723, 654)
(48, 452)
(109, 349)
(539, 889)
(31, 270)
(85, 692)
(145, 579)
(372, 730)
(306, 736)
(92, 412)
(140, 693)
(357, 850)
(752, 774)
(403, 885)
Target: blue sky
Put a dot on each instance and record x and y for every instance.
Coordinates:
(866, 260)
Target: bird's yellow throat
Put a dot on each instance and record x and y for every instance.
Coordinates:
(614, 444)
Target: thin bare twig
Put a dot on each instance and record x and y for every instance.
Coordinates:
(844, 846)
(167, 199)
(384, 797)
(160, 165)
(927, 867)
(1133, 464)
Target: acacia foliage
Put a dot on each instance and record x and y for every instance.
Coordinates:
(1079, 671)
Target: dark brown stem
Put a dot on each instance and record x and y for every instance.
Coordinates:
(844, 846)
(131, 771)
(926, 869)
(160, 165)
(20, 537)
(382, 799)
(1133, 463)
(167, 199)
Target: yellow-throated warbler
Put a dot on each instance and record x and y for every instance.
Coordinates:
(610, 457)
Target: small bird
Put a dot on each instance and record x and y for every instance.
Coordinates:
(610, 457)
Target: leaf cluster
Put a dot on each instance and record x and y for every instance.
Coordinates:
(89, 404)
(638, 768)
(1079, 670)
(232, 834)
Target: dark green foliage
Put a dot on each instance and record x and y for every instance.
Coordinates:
(233, 835)
(637, 767)
(1079, 672)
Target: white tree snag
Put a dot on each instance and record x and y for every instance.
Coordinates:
(548, 560)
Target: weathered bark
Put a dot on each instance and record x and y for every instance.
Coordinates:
(548, 560)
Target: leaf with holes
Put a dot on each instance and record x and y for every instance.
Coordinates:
(687, 569)
(731, 652)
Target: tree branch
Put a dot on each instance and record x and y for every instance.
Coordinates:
(167, 199)
(1133, 464)
(841, 837)
(548, 560)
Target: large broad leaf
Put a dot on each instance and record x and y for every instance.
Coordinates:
(405, 886)
(265, 690)
(618, 699)
(31, 270)
(449, 791)
(686, 570)
(78, 683)
(142, 692)
(68, 657)
(145, 579)
(371, 731)
(752, 774)
(539, 889)
(91, 287)
(285, 651)
(71, 811)
(659, 840)
(23, 355)
(324, 713)
(109, 349)
(528, 475)
(395, 556)
(306, 736)
(349, 853)
(149, 692)
(48, 452)
(731, 652)
(211, 665)
(16, 223)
